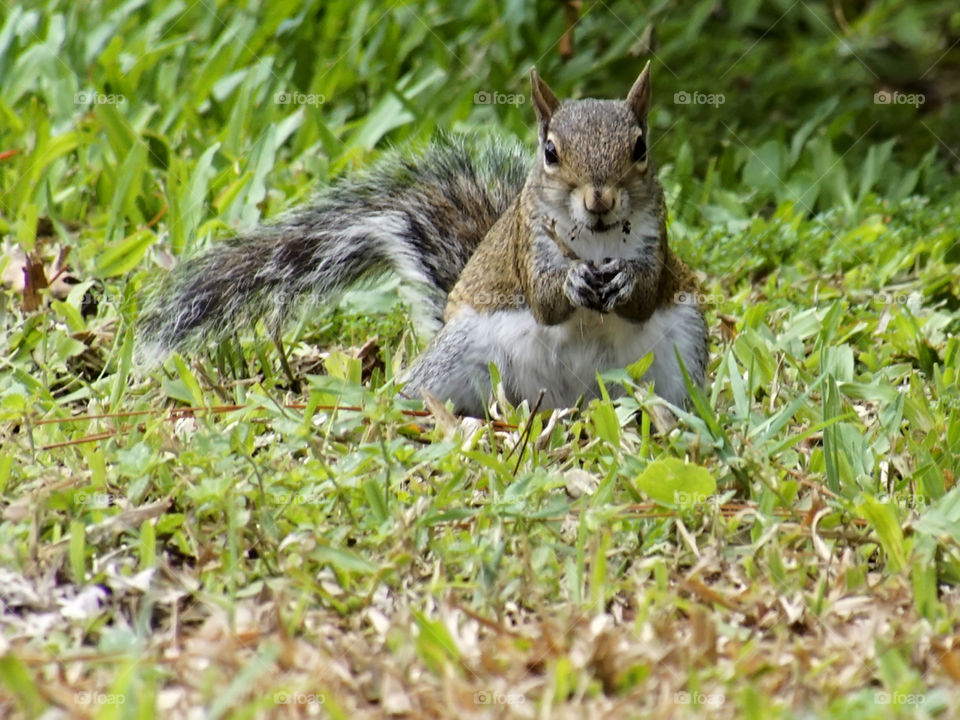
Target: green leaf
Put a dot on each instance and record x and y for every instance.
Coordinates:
(67, 347)
(884, 521)
(128, 187)
(606, 424)
(119, 134)
(638, 369)
(675, 483)
(189, 380)
(342, 366)
(598, 572)
(188, 206)
(923, 577)
(19, 680)
(77, 551)
(148, 545)
(123, 371)
(124, 255)
(346, 560)
(941, 520)
(831, 411)
(434, 643)
(6, 462)
(27, 226)
(764, 167)
(373, 491)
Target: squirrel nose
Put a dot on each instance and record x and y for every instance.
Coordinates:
(600, 200)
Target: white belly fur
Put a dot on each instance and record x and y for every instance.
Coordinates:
(564, 359)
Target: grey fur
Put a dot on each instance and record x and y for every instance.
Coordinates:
(454, 367)
(420, 213)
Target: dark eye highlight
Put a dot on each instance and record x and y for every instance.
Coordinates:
(640, 150)
(550, 153)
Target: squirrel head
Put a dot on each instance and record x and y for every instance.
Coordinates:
(592, 157)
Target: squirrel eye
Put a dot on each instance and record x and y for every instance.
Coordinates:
(640, 150)
(550, 153)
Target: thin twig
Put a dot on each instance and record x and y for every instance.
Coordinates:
(525, 435)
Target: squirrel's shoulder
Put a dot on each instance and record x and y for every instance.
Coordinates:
(490, 280)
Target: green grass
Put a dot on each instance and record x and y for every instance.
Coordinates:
(789, 550)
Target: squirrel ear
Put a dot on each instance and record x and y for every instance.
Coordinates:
(544, 101)
(639, 96)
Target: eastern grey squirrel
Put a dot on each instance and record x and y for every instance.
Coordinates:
(553, 272)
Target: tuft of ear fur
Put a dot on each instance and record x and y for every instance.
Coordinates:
(639, 96)
(544, 102)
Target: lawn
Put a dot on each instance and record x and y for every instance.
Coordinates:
(263, 530)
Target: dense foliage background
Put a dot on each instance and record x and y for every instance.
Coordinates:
(790, 547)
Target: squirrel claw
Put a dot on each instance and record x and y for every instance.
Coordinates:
(582, 286)
(618, 289)
(599, 288)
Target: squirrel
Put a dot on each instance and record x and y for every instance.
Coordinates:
(553, 273)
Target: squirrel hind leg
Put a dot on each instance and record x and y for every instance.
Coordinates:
(681, 329)
(454, 366)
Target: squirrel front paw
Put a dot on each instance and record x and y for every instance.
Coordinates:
(617, 282)
(583, 286)
(601, 287)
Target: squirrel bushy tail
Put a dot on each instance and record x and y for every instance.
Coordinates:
(420, 214)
